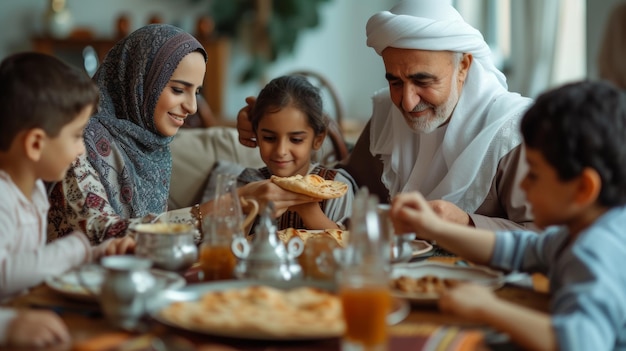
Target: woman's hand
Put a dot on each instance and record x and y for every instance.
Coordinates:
(247, 137)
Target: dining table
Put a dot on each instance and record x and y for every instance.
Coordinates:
(90, 330)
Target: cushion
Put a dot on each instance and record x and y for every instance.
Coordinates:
(194, 153)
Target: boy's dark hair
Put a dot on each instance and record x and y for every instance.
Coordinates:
(291, 90)
(41, 91)
(582, 125)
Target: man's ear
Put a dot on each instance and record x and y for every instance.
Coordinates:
(464, 66)
(318, 141)
(589, 187)
(34, 143)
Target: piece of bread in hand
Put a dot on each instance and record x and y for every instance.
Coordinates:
(312, 185)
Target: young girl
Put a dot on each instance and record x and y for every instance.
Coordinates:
(290, 124)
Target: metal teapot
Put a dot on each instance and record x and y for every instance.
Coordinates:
(266, 257)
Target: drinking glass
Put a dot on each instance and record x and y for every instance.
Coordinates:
(220, 227)
(318, 260)
(399, 244)
(363, 280)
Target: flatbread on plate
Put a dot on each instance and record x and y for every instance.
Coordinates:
(263, 311)
(340, 236)
(312, 185)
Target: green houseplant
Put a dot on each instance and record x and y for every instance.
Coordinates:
(269, 27)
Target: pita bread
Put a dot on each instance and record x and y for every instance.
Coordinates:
(262, 311)
(340, 236)
(312, 185)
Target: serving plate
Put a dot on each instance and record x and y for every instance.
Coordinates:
(420, 248)
(69, 283)
(471, 274)
(400, 309)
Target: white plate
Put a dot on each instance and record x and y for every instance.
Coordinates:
(69, 285)
(420, 247)
(194, 292)
(475, 274)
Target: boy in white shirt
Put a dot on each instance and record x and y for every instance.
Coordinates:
(45, 105)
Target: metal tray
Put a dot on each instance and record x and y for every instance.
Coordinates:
(193, 293)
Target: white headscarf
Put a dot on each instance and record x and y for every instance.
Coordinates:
(485, 122)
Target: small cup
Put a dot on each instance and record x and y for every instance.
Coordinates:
(170, 246)
(318, 260)
(399, 244)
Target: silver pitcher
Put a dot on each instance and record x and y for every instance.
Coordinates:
(266, 257)
(127, 285)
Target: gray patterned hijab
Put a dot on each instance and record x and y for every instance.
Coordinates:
(131, 157)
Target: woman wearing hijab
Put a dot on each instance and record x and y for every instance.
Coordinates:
(148, 85)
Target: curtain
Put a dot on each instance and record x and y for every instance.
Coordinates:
(535, 26)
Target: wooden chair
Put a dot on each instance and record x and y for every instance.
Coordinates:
(334, 110)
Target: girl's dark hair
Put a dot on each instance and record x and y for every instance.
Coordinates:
(582, 125)
(291, 90)
(41, 91)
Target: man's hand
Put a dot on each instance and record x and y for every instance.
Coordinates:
(244, 126)
(450, 212)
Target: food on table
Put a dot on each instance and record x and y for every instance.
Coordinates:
(303, 311)
(428, 284)
(340, 236)
(312, 185)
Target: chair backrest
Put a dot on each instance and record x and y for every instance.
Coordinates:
(334, 110)
(332, 104)
(338, 142)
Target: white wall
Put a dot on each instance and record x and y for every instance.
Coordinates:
(336, 49)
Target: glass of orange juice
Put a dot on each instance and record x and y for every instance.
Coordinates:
(225, 223)
(366, 301)
(363, 280)
(217, 261)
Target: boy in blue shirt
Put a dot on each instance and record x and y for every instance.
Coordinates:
(576, 185)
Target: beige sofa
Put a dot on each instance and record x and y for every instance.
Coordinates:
(196, 150)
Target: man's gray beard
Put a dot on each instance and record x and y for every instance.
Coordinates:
(442, 112)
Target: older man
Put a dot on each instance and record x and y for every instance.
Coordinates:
(446, 125)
